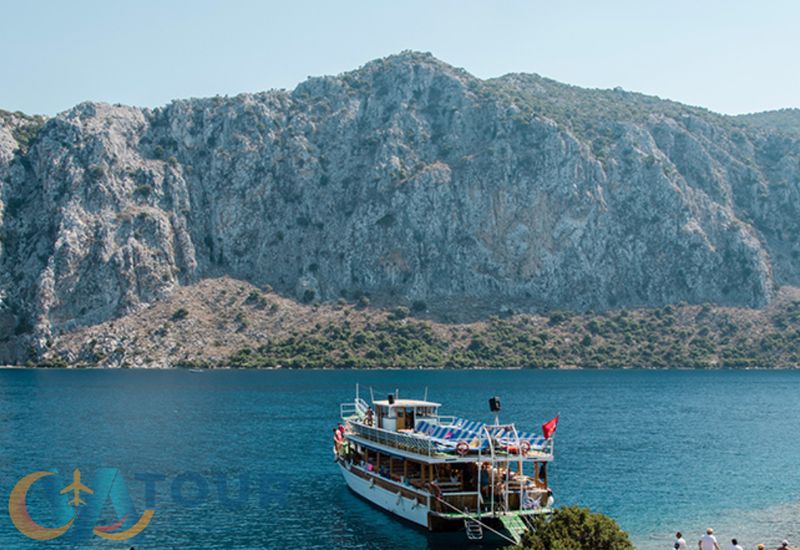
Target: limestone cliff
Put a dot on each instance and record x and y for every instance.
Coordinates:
(407, 180)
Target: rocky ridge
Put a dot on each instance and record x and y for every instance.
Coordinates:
(407, 180)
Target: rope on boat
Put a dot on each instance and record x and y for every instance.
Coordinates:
(498, 533)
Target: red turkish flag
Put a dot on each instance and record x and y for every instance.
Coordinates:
(549, 428)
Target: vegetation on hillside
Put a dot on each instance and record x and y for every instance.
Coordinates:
(24, 128)
(224, 322)
(786, 121)
(685, 337)
(597, 115)
(573, 528)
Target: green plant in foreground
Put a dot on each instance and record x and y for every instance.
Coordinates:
(575, 528)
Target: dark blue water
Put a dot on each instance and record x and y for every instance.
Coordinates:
(659, 451)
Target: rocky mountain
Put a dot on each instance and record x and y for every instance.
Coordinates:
(407, 180)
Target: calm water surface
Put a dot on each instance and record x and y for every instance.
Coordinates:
(659, 451)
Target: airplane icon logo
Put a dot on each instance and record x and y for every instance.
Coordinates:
(77, 488)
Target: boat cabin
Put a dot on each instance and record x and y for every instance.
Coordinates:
(403, 415)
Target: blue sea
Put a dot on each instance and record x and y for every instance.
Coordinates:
(242, 459)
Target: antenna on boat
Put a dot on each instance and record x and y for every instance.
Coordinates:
(371, 395)
(426, 394)
(356, 391)
(397, 393)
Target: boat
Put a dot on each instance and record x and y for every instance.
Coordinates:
(444, 473)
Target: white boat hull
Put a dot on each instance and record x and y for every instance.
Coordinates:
(408, 509)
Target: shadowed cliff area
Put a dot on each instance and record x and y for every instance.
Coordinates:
(406, 180)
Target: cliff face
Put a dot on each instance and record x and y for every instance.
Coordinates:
(407, 179)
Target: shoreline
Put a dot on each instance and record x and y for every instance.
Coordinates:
(381, 369)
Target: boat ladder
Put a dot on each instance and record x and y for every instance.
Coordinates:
(473, 528)
(468, 519)
(515, 526)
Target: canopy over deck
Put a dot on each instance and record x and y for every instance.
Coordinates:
(406, 403)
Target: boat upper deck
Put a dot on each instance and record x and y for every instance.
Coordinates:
(414, 429)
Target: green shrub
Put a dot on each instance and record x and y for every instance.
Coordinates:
(256, 298)
(52, 363)
(180, 314)
(556, 318)
(387, 221)
(574, 528)
(143, 191)
(400, 312)
(96, 173)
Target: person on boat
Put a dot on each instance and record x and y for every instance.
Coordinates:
(784, 545)
(735, 545)
(680, 542)
(340, 428)
(369, 415)
(484, 477)
(708, 541)
(551, 501)
(760, 547)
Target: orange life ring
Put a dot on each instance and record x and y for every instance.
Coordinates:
(462, 447)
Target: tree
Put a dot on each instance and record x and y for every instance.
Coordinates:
(400, 312)
(308, 296)
(575, 528)
(180, 314)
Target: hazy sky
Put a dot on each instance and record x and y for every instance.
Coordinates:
(731, 56)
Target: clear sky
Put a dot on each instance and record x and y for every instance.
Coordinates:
(730, 56)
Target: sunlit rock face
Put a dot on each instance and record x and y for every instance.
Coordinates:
(406, 179)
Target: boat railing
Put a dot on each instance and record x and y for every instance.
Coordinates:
(445, 420)
(357, 408)
(399, 440)
(463, 500)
